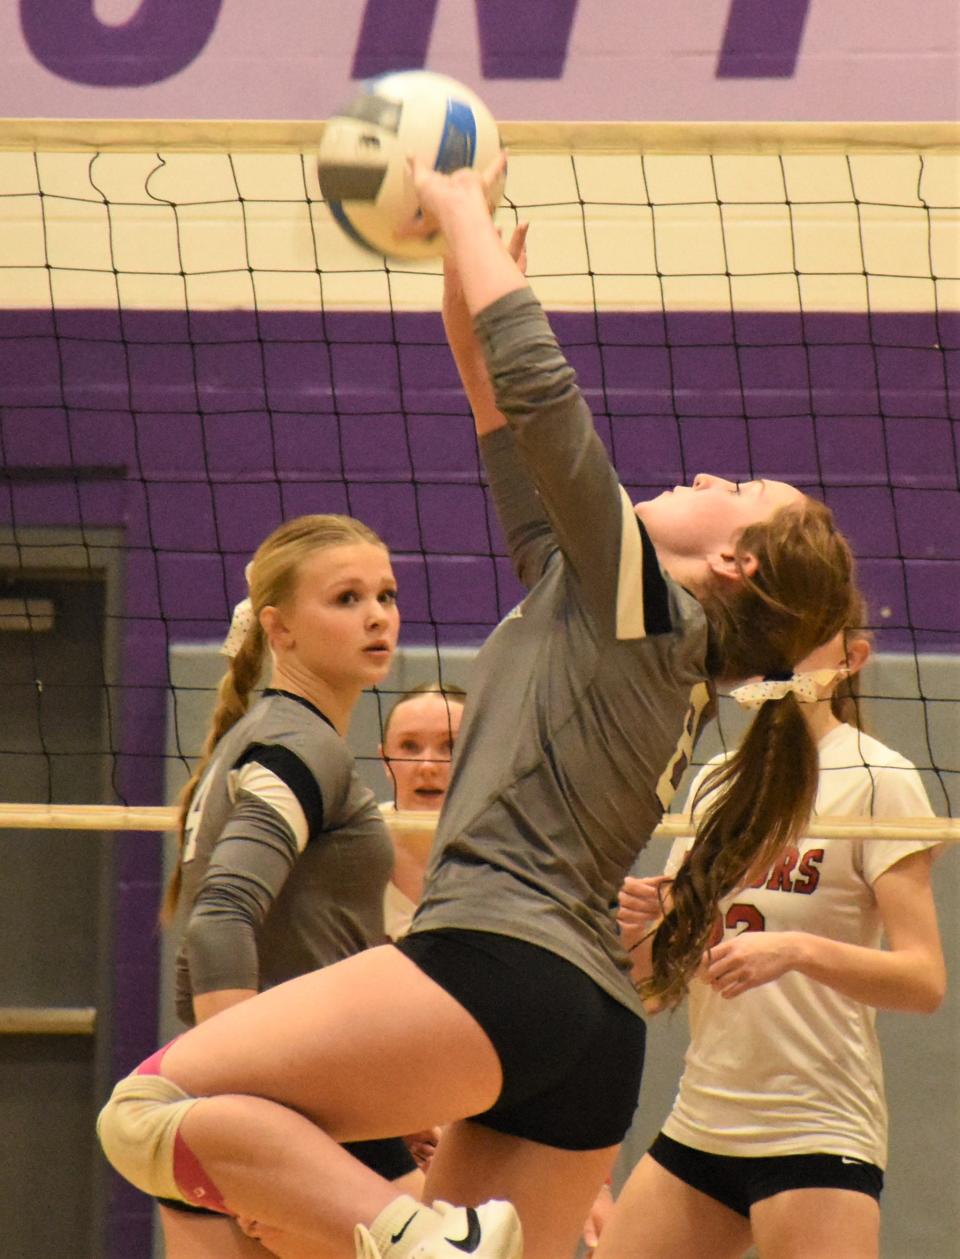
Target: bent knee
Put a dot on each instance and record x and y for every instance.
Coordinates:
(138, 1130)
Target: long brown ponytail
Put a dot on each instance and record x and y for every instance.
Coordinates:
(272, 579)
(801, 595)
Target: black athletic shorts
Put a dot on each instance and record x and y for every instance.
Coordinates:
(388, 1157)
(571, 1055)
(738, 1183)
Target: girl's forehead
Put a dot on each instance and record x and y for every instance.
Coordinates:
(428, 712)
(355, 558)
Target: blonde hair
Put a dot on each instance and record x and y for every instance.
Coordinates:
(801, 595)
(272, 578)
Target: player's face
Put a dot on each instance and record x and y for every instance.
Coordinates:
(418, 749)
(702, 520)
(342, 622)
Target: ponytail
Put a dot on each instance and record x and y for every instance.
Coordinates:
(233, 700)
(762, 797)
(800, 594)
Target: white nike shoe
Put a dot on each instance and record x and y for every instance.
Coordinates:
(490, 1231)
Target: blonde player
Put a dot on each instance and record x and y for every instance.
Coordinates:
(507, 1012)
(779, 1131)
(283, 852)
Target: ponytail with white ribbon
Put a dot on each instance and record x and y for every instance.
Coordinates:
(240, 623)
(807, 687)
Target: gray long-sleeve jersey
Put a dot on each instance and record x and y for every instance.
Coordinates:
(585, 701)
(286, 856)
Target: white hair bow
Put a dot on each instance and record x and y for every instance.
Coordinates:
(240, 622)
(805, 686)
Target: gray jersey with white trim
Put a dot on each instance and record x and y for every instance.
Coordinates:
(585, 701)
(286, 856)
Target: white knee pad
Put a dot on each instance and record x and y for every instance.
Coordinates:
(138, 1129)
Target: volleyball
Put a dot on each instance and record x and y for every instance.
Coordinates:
(363, 160)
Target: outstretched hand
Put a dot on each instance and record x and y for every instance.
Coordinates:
(441, 195)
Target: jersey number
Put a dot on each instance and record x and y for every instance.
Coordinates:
(746, 916)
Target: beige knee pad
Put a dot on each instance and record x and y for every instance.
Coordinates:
(138, 1129)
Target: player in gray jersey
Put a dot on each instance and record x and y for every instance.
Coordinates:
(507, 1013)
(284, 856)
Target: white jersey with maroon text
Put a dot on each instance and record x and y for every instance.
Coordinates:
(793, 1067)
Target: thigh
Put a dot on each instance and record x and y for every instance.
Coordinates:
(659, 1216)
(367, 1048)
(811, 1223)
(194, 1236)
(552, 1189)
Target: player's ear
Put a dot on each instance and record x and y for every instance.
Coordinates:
(858, 652)
(728, 566)
(275, 628)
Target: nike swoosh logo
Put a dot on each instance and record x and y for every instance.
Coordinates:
(469, 1243)
(395, 1237)
(857, 1161)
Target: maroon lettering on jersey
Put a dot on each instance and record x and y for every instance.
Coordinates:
(780, 880)
(746, 916)
(808, 876)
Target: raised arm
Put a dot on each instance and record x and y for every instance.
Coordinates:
(464, 346)
(522, 517)
(535, 390)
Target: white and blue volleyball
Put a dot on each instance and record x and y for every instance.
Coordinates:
(364, 175)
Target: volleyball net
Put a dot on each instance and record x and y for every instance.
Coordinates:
(191, 351)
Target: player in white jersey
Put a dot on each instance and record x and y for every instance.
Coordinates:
(508, 1012)
(778, 1134)
(284, 855)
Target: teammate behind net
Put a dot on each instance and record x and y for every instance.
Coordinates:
(284, 855)
(419, 732)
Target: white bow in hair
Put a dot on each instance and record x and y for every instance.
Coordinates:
(240, 623)
(805, 686)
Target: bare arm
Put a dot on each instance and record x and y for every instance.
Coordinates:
(467, 354)
(458, 205)
(909, 976)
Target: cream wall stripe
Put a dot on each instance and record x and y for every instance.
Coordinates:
(197, 135)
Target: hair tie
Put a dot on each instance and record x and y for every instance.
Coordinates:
(805, 686)
(240, 623)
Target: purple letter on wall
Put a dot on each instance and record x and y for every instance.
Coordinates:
(161, 39)
(762, 39)
(519, 39)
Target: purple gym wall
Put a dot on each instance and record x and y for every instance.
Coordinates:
(575, 59)
(197, 440)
